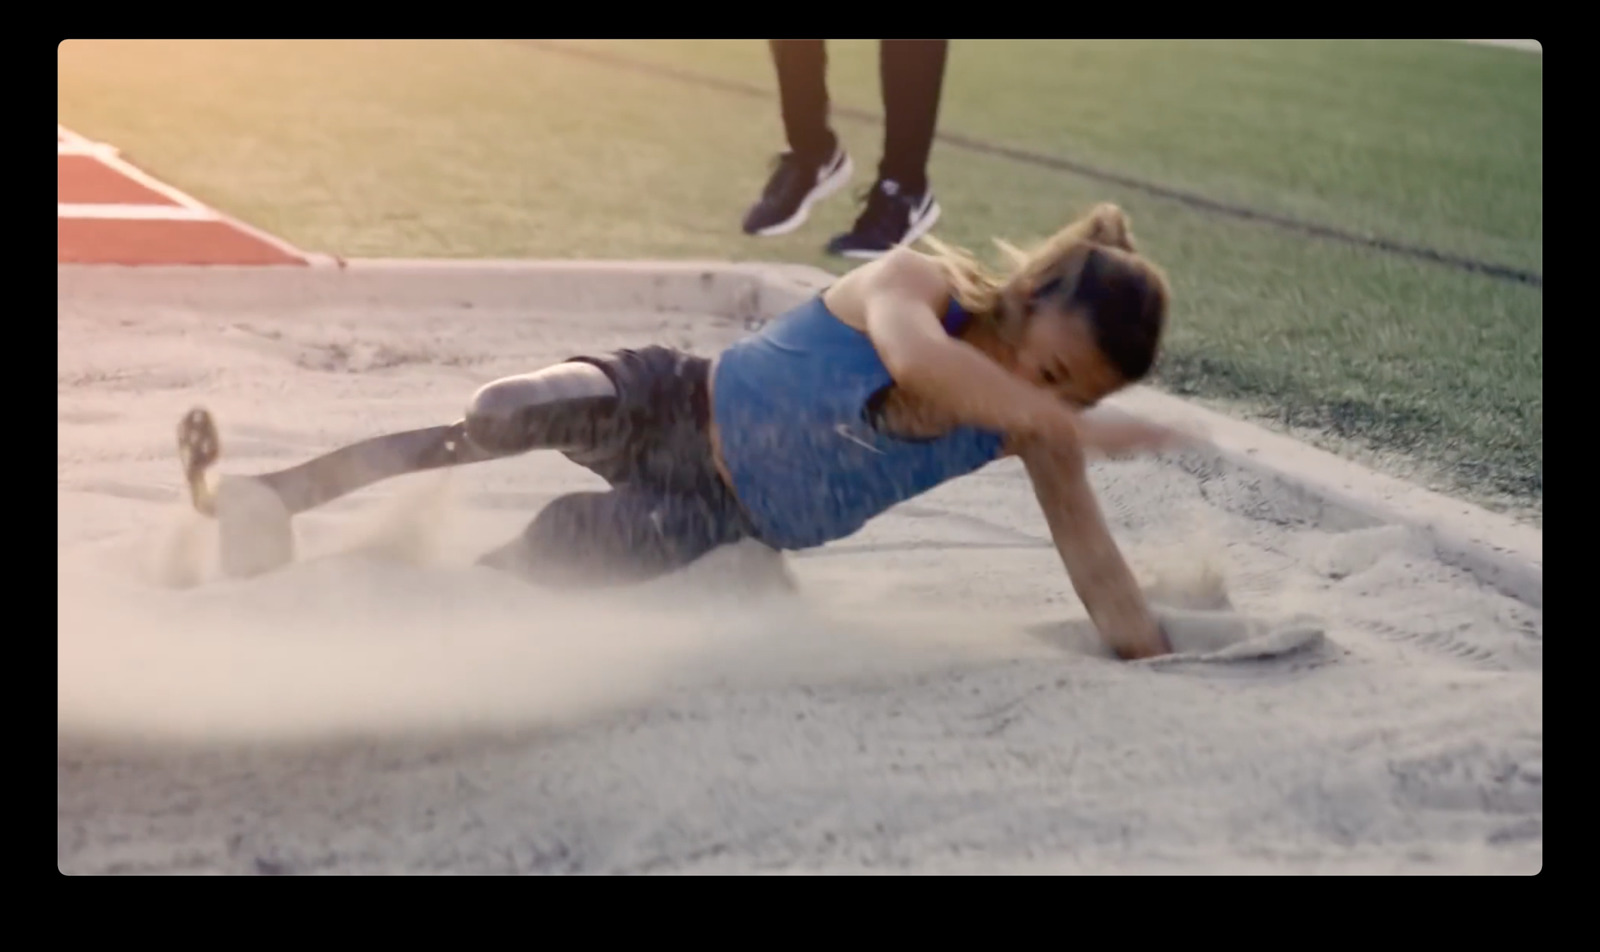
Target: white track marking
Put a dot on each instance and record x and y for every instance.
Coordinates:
(134, 212)
(67, 136)
(93, 149)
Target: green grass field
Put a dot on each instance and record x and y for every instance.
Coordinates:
(500, 148)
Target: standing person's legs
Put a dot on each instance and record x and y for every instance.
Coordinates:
(901, 207)
(911, 73)
(815, 165)
(802, 67)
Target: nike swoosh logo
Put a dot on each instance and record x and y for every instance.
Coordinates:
(843, 429)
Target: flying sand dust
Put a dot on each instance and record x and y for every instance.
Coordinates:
(386, 628)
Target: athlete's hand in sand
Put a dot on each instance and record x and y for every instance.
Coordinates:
(1056, 463)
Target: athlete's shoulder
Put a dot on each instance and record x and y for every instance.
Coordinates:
(905, 270)
(901, 274)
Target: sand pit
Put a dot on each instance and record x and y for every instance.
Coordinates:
(930, 700)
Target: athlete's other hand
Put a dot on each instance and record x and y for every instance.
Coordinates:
(1106, 432)
(1112, 433)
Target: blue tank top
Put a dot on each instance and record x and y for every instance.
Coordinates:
(808, 466)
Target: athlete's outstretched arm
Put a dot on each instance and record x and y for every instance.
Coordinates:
(1099, 573)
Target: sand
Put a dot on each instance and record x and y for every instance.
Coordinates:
(930, 700)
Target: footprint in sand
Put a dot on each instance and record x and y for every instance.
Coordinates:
(1350, 553)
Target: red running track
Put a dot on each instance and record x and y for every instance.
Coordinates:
(111, 212)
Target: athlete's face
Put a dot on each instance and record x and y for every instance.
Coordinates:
(1058, 352)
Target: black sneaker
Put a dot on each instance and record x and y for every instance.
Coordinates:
(891, 218)
(795, 186)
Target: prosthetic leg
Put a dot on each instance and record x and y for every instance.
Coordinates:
(571, 407)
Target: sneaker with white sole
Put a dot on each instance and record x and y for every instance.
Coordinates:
(892, 217)
(794, 187)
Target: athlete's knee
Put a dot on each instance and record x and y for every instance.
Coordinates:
(545, 547)
(553, 408)
(580, 539)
